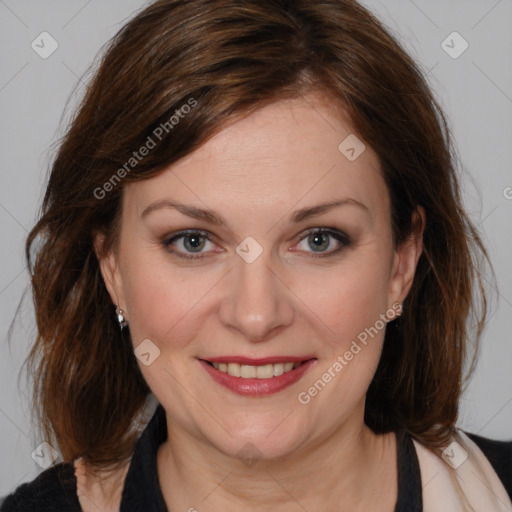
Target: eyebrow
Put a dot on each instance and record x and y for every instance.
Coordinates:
(214, 218)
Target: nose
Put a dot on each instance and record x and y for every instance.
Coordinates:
(257, 301)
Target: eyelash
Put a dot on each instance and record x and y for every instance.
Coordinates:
(337, 235)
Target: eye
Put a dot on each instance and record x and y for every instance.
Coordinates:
(320, 239)
(188, 243)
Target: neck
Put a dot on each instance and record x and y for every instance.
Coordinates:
(353, 469)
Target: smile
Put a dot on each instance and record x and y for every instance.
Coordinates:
(256, 379)
(246, 371)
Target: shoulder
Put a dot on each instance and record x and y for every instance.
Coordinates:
(52, 490)
(499, 454)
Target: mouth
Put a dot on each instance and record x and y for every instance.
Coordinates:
(262, 377)
(246, 371)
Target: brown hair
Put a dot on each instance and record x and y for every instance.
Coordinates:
(232, 57)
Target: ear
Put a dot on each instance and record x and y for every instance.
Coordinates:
(406, 259)
(109, 269)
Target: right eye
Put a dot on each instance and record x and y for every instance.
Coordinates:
(188, 242)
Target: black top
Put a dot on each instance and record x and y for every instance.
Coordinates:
(55, 488)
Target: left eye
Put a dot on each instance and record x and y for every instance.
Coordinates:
(320, 241)
(191, 243)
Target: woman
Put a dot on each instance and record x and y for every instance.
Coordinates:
(255, 219)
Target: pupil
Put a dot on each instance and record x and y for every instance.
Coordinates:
(319, 237)
(194, 242)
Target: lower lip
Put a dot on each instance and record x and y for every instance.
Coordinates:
(258, 387)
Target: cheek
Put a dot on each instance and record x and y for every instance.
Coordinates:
(346, 299)
(159, 299)
(351, 307)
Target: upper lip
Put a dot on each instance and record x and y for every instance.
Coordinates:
(258, 362)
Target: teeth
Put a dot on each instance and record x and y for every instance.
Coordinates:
(233, 369)
(246, 371)
(278, 369)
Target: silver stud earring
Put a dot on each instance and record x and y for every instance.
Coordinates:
(120, 318)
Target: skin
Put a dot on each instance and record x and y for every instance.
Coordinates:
(255, 173)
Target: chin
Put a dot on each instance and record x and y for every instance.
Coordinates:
(259, 442)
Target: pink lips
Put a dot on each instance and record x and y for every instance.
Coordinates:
(257, 387)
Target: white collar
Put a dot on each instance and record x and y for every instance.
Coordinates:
(472, 469)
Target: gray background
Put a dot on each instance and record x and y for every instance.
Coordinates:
(475, 90)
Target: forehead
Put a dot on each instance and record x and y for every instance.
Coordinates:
(285, 155)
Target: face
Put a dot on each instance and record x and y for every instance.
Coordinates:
(227, 257)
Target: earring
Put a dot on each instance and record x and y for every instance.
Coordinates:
(120, 318)
(397, 313)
